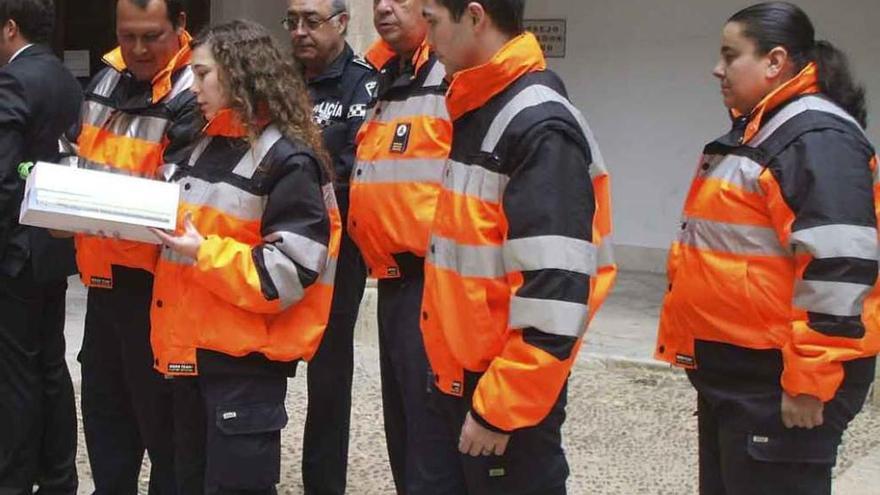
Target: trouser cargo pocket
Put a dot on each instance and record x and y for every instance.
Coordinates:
(244, 436)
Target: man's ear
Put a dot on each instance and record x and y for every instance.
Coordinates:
(342, 21)
(10, 29)
(181, 23)
(476, 15)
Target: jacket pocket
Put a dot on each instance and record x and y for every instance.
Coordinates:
(798, 446)
(253, 418)
(244, 452)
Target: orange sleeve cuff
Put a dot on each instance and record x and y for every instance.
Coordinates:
(804, 375)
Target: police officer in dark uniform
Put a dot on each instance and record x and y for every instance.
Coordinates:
(342, 88)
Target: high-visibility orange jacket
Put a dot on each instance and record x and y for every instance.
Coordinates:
(519, 259)
(263, 278)
(778, 244)
(402, 147)
(131, 127)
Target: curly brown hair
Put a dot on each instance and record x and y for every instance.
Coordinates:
(262, 84)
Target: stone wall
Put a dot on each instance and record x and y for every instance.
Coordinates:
(270, 12)
(361, 33)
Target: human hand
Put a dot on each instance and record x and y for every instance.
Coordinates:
(476, 440)
(186, 244)
(803, 411)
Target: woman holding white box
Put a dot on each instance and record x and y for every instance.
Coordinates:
(243, 289)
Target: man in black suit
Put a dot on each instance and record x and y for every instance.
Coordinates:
(39, 100)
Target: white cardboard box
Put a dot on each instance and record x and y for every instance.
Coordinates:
(88, 201)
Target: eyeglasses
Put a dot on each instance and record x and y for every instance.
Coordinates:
(311, 23)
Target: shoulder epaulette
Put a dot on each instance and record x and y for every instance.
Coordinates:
(362, 62)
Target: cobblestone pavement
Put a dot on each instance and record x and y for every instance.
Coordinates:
(630, 431)
(630, 427)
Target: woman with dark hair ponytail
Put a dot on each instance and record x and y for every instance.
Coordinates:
(773, 304)
(781, 24)
(837, 82)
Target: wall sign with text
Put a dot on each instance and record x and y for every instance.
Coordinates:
(551, 35)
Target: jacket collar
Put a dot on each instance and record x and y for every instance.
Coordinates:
(22, 51)
(337, 68)
(805, 83)
(381, 53)
(474, 87)
(162, 82)
(33, 50)
(225, 124)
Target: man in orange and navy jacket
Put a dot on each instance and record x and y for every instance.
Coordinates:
(519, 259)
(402, 148)
(138, 115)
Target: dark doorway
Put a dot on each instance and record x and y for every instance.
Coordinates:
(88, 26)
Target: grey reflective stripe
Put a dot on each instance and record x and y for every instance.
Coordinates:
(796, 108)
(474, 181)
(141, 127)
(329, 194)
(396, 171)
(309, 253)
(877, 173)
(172, 256)
(838, 241)
(597, 168)
(69, 161)
(145, 128)
(166, 172)
(284, 275)
(103, 167)
(90, 165)
(467, 261)
(731, 238)
(67, 148)
(738, 171)
(257, 153)
(549, 316)
(108, 84)
(223, 197)
(436, 76)
(183, 83)
(605, 255)
(199, 148)
(412, 108)
(371, 112)
(537, 95)
(96, 114)
(328, 276)
(830, 298)
(550, 253)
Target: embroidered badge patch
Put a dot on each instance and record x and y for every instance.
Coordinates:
(401, 138)
(181, 368)
(684, 360)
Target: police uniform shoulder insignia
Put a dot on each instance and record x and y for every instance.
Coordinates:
(358, 111)
(362, 62)
(372, 88)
